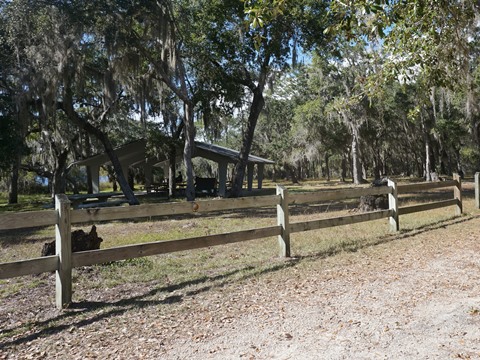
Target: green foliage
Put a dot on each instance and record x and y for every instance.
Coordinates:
(160, 143)
(470, 158)
(433, 36)
(274, 128)
(124, 63)
(37, 199)
(262, 12)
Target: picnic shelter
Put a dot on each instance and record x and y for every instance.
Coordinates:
(133, 154)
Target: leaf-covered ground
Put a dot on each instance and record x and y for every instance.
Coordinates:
(416, 295)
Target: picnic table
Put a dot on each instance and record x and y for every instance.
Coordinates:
(157, 187)
(80, 201)
(205, 186)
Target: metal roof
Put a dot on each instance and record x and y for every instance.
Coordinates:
(231, 154)
(134, 153)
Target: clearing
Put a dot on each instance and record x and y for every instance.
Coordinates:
(412, 295)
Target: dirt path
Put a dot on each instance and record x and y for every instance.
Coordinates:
(417, 297)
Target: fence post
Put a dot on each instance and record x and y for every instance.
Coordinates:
(477, 190)
(393, 206)
(63, 246)
(457, 194)
(283, 221)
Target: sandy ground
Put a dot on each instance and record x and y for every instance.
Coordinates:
(413, 297)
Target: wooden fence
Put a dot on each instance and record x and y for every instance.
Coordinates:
(63, 218)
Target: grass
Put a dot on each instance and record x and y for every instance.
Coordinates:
(26, 202)
(18, 286)
(233, 261)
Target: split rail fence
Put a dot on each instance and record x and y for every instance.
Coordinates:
(63, 217)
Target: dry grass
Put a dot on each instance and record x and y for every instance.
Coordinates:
(239, 258)
(180, 298)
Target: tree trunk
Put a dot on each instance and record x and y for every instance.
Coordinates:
(188, 150)
(377, 164)
(429, 122)
(103, 138)
(327, 166)
(255, 110)
(430, 163)
(59, 175)
(376, 172)
(291, 171)
(344, 167)
(23, 116)
(274, 173)
(13, 186)
(111, 178)
(89, 172)
(172, 157)
(426, 139)
(74, 184)
(384, 162)
(356, 165)
(131, 179)
(89, 181)
(114, 185)
(122, 181)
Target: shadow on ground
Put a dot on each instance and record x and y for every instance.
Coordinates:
(83, 313)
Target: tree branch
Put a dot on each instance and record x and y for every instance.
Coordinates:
(245, 81)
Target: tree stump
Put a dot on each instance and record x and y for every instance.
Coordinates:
(81, 241)
(374, 202)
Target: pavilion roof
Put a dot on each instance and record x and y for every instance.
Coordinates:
(134, 153)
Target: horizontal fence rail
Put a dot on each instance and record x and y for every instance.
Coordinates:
(339, 221)
(425, 207)
(456, 183)
(28, 267)
(343, 194)
(29, 219)
(63, 217)
(408, 188)
(92, 257)
(152, 210)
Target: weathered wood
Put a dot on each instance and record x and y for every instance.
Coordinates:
(457, 194)
(393, 206)
(163, 247)
(102, 204)
(27, 219)
(404, 210)
(339, 221)
(319, 196)
(238, 203)
(408, 188)
(63, 244)
(28, 267)
(63, 217)
(477, 190)
(283, 221)
(77, 200)
(98, 214)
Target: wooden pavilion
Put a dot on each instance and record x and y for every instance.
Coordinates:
(133, 154)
